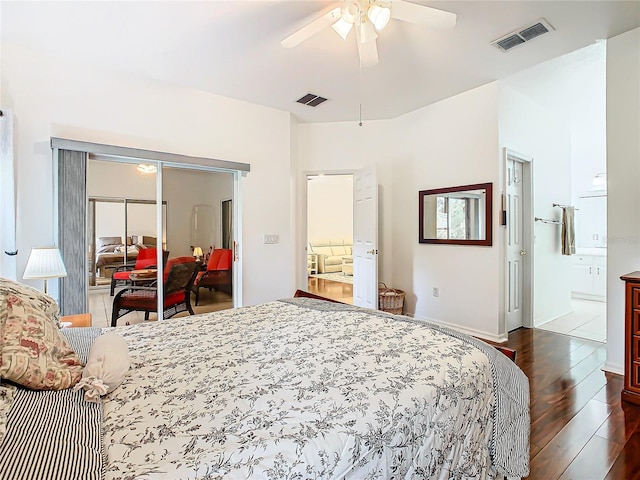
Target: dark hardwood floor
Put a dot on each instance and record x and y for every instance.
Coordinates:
(579, 427)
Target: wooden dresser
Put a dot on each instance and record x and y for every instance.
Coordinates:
(631, 392)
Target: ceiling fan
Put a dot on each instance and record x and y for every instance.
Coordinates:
(367, 17)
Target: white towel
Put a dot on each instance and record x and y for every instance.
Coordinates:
(568, 231)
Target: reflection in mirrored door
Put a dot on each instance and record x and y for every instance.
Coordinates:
(122, 240)
(194, 199)
(227, 224)
(84, 170)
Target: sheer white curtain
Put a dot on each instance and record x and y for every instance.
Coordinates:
(7, 197)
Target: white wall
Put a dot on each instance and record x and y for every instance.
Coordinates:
(345, 146)
(623, 168)
(50, 97)
(183, 189)
(120, 180)
(453, 142)
(529, 127)
(588, 117)
(330, 208)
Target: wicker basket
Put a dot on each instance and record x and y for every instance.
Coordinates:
(390, 300)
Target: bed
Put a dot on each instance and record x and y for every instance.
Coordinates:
(297, 388)
(110, 252)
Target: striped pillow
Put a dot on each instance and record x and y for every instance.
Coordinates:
(6, 400)
(33, 351)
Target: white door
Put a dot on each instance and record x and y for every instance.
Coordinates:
(365, 238)
(515, 247)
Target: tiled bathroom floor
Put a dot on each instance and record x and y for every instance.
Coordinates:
(588, 320)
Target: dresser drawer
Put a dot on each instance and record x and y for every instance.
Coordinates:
(635, 322)
(635, 349)
(635, 376)
(635, 297)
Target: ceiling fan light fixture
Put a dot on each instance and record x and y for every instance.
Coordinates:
(146, 168)
(342, 28)
(350, 12)
(379, 16)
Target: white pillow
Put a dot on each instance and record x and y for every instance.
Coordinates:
(106, 367)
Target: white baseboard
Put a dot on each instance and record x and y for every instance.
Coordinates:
(537, 322)
(613, 368)
(468, 331)
(588, 296)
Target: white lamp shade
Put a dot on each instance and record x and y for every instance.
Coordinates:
(197, 252)
(342, 27)
(379, 16)
(45, 262)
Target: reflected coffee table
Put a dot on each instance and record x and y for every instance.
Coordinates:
(143, 277)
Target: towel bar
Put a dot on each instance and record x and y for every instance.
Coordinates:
(564, 206)
(544, 220)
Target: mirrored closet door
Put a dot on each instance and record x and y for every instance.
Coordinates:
(125, 217)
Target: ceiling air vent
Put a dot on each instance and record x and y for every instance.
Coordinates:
(523, 35)
(311, 99)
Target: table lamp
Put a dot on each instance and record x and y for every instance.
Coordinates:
(197, 252)
(45, 263)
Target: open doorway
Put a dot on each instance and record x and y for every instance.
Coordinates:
(330, 236)
(588, 316)
(556, 112)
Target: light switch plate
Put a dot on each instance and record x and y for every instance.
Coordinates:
(271, 239)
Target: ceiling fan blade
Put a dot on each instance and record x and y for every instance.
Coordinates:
(368, 51)
(422, 15)
(329, 16)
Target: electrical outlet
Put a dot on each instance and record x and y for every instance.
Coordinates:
(436, 291)
(271, 239)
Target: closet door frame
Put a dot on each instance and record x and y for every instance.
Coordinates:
(71, 240)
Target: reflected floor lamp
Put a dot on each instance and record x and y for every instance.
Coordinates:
(44, 263)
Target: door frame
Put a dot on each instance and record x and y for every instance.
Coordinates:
(302, 275)
(527, 241)
(121, 154)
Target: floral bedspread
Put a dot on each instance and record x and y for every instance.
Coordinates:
(294, 391)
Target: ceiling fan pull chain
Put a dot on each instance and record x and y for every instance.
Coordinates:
(360, 93)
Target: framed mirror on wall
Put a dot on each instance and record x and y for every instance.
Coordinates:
(458, 215)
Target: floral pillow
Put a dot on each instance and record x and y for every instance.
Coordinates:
(33, 351)
(44, 302)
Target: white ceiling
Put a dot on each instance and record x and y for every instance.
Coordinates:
(232, 48)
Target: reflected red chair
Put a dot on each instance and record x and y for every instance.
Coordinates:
(218, 274)
(146, 259)
(179, 274)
